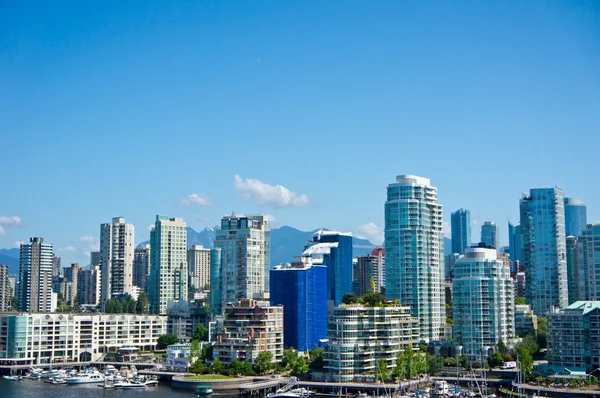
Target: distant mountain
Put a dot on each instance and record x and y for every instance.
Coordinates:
(206, 237)
(10, 257)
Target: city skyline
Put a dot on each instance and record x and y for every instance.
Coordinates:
(90, 92)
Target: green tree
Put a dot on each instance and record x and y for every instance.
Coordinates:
(541, 332)
(524, 356)
(434, 363)
(463, 361)
(520, 300)
(371, 299)
(289, 356)
(299, 366)
(235, 367)
(194, 351)
(400, 369)
(382, 370)
(207, 353)
(263, 361)
(349, 298)
(142, 304)
(495, 360)
(217, 366)
(316, 358)
(198, 366)
(166, 340)
(247, 369)
(200, 333)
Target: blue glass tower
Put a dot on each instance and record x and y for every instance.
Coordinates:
(334, 250)
(302, 291)
(489, 235)
(460, 222)
(575, 217)
(216, 281)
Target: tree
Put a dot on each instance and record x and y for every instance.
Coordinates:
(524, 356)
(142, 304)
(434, 364)
(495, 360)
(382, 371)
(400, 369)
(217, 366)
(289, 356)
(299, 366)
(200, 333)
(194, 351)
(541, 332)
(316, 358)
(463, 361)
(247, 369)
(349, 298)
(198, 366)
(263, 361)
(373, 300)
(520, 300)
(207, 353)
(166, 340)
(235, 367)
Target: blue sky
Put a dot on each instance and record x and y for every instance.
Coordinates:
(128, 108)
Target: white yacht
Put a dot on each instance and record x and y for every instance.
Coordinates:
(82, 378)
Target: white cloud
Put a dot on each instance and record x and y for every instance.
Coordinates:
(150, 227)
(261, 193)
(272, 221)
(91, 244)
(18, 243)
(67, 249)
(9, 221)
(196, 199)
(86, 239)
(371, 232)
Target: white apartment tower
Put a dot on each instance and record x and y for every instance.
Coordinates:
(116, 257)
(198, 258)
(35, 276)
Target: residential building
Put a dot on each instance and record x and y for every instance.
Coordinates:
(141, 266)
(184, 316)
(198, 258)
(301, 289)
(95, 258)
(88, 286)
(369, 273)
(46, 338)
(56, 266)
(575, 217)
(5, 289)
(70, 279)
(573, 336)
(359, 337)
(35, 276)
(414, 252)
(588, 262)
(515, 247)
(334, 250)
(483, 301)
(168, 263)
(525, 320)
(544, 249)
(490, 235)
(216, 282)
(116, 256)
(245, 243)
(572, 270)
(460, 224)
(520, 283)
(249, 329)
(450, 260)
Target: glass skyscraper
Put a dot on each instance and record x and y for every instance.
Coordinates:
(575, 217)
(544, 249)
(301, 290)
(489, 235)
(588, 268)
(460, 223)
(414, 252)
(515, 246)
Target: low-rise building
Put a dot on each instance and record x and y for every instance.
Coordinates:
(249, 329)
(525, 320)
(360, 336)
(183, 317)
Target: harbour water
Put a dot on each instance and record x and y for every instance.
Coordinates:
(38, 389)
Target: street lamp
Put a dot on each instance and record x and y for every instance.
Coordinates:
(458, 350)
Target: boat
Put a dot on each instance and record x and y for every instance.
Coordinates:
(11, 378)
(132, 385)
(203, 390)
(151, 382)
(58, 380)
(82, 378)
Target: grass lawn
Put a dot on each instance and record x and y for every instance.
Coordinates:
(209, 377)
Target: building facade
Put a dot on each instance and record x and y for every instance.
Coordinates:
(5, 288)
(35, 276)
(141, 266)
(483, 301)
(525, 321)
(460, 225)
(359, 336)
(544, 249)
(183, 317)
(575, 217)
(414, 252)
(515, 247)
(369, 273)
(88, 286)
(168, 263)
(116, 256)
(46, 338)
(489, 235)
(588, 262)
(249, 329)
(198, 258)
(245, 243)
(302, 291)
(216, 288)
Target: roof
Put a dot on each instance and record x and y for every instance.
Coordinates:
(585, 306)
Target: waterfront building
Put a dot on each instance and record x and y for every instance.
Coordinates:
(5, 289)
(490, 235)
(168, 263)
(35, 276)
(588, 262)
(575, 217)
(515, 247)
(198, 258)
(141, 266)
(301, 289)
(573, 336)
(334, 250)
(544, 249)
(37, 338)
(116, 257)
(483, 301)
(249, 329)
(414, 252)
(460, 224)
(183, 317)
(369, 273)
(359, 337)
(525, 320)
(245, 243)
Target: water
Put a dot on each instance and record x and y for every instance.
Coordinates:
(38, 389)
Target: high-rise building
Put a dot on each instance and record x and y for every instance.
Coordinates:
(88, 284)
(460, 224)
(514, 241)
(95, 258)
(168, 263)
(198, 258)
(334, 250)
(414, 252)
(301, 291)
(573, 271)
(116, 253)
(483, 301)
(216, 287)
(245, 243)
(369, 273)
(5, 289)
(544, 249)
(141, 266)
(56, 266)
(35, 276)
(70, 282)
(588, 262)
(575, 217)
(489, 235)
